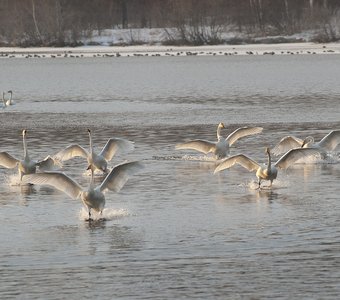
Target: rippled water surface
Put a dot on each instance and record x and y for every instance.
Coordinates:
(175, 230)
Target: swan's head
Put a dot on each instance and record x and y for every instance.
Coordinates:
(267, 151)
(89, 131)
(307, 142)
(10, 92)
(24, 132)
(221, 125)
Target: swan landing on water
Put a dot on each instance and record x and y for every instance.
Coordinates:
(268, 172)
(220, 148)
(93, 197)
(96, 161)
(327, 144)
(26, 165)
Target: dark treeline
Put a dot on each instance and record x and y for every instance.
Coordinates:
(64, 22)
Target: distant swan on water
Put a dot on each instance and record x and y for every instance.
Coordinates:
(327, 144)
(268, 172)
(96, 161)
(220, 148)
(26, 165)
(93, 197)
(7, 102)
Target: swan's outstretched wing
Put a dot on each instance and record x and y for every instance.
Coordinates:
(295, 154)
(116, 145)
(48, 164)
(7, 160)
(287, 143)
(241, 132)
(70, 152)
(58, 180)
(330, 141)
(198, 145)
(119, 175)
(240, 159)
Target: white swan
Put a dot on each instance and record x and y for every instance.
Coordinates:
(10, 101)
(96, 161)
(26, 165)
(328, 143)
(93, 197)
(268, 172)
(220, 148)
(7, 102)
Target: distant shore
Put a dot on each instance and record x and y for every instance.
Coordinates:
(155, 50)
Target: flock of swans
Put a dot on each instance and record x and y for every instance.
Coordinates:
(295, 149)
(93, 198)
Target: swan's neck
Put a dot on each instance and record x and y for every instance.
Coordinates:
(219, 132)
(3, 98)
(91, 145)
(10, 98)
(25, 147)
(269, 161)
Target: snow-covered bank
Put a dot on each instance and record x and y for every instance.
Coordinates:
(144, 50)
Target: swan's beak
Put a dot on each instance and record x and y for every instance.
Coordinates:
(88, 130)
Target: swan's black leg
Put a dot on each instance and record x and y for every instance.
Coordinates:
(90, 219)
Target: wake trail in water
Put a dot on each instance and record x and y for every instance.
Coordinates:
(202, 158)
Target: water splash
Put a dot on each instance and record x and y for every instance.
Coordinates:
(253, 184)
(13, 180)
(186, 157)
(108, 214)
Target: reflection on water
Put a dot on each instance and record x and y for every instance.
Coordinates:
(175, 230)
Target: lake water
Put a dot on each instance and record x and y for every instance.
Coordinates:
(175, 230)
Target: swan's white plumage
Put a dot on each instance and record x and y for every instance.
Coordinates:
(115, 146)
(117, 178)
(96, 161)
(58, 180)
(93, 197)
(220, 148)
(328, 143)
(8, 161)
(242, 132)
(26, 165)
(7, 102)
(268, 172)
(71, 152)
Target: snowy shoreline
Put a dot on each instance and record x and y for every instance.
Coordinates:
(158, 50)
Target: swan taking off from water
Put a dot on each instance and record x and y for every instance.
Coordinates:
(268, 172)
(27, 165)
(93, 197)
(220, 148)
(96, 161)
(328, 143)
